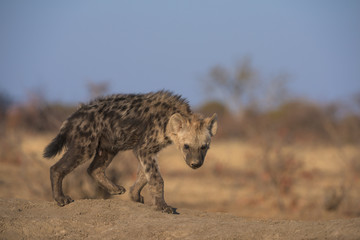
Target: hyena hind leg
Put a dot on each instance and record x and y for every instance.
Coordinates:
(97, 171)
(69, 161)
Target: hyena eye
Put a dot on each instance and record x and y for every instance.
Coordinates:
(204, 147)
(186, 147)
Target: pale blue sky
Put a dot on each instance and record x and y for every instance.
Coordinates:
(141, 46)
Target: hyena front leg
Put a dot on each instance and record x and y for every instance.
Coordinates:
(97, 171)
(156, 183)
(139, 184)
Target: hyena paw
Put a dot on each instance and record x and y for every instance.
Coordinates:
(137, 198)
(166, 209)
(119, 190)
(63, 200)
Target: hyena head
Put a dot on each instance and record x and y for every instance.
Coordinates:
(192, 136)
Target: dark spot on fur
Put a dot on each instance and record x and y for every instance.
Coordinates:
(82, 151)
(169, 141)
(155, 149)
(135, 106)
(109, 114)
(102, 108)
(118, 99)
(151, 118)
(165, 105)
(78, 114)
(92, 117)
(137, 101)
(85, 134)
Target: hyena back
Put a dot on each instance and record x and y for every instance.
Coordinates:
(145, 123)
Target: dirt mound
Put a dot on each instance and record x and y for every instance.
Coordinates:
(119, 219)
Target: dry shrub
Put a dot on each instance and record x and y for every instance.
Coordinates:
(21, 175)
(348, 129)
(10, 148)
(333, 198)
(37, 117)
(296, 121)
(342, 133)
(349, 196)
(281, 169)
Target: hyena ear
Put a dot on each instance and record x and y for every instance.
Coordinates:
(176, 123)
(211, 124)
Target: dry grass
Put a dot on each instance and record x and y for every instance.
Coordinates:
(271, 181)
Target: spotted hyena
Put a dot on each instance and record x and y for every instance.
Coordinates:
(145, 123)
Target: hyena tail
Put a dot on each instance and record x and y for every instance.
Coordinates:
(57, 144)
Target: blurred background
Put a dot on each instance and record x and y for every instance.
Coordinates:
(283, 77)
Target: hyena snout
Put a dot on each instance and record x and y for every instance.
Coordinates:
(195, 163)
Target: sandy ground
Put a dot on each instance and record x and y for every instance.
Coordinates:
(119, 219)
